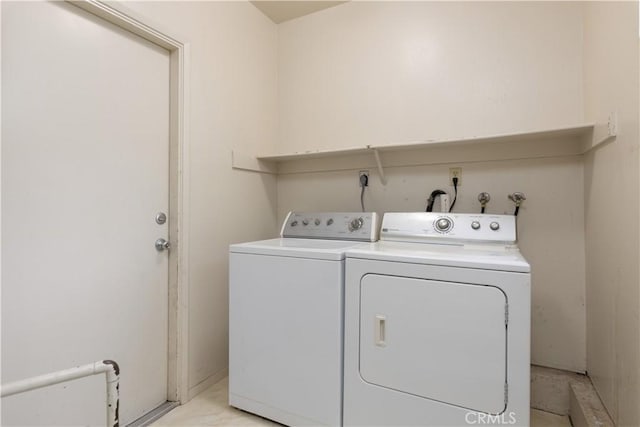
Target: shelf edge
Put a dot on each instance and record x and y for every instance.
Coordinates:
(247, 162)
(576, 130)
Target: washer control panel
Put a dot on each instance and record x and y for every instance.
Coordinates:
(448, 227)
(362, 226)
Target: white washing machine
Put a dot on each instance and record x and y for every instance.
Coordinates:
(437, 324)
(286, 318)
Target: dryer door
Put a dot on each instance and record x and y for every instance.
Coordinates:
(437, 340)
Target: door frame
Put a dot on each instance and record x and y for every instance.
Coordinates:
(178, 307)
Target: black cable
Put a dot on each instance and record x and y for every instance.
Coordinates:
(432, 198)
(364, 182)
(455, 195)
(515, 213)
(482, 210)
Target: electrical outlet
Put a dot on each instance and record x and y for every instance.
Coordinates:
(360, 175)
(455, 173)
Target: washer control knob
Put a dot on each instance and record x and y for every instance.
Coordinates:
(475, 225)
(294, 223)
(316, 222)
(443, 224)
(305, 222)
(356, 224)
(494, 226)
(330, 221)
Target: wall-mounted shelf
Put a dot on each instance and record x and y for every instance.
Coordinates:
(563, 141)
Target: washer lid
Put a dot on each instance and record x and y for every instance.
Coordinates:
(298, 248)
(489, 257)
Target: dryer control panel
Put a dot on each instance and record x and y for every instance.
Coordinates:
(454, 228)
(361, 226)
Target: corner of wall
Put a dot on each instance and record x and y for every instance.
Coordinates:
(611, 75)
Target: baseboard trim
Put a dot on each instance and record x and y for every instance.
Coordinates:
(205, 384)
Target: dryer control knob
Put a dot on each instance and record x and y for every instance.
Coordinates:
(317, 221)
(305, 222)
(494, 226)
(294, 223)
(330, 221)
(475, 225)
(443, 224)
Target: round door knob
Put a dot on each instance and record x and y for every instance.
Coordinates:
(475, 225)
(494, 226)
(443, 224)
(162, 245)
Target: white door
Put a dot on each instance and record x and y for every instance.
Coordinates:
(85, 146)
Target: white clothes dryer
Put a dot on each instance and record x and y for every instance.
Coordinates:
(286, 305)
(437, 324)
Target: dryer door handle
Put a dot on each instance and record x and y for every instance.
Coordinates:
(380, 326)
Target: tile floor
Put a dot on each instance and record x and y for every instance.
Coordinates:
(210, 408)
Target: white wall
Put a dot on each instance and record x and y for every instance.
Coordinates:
(612, 232)
(383, 72)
